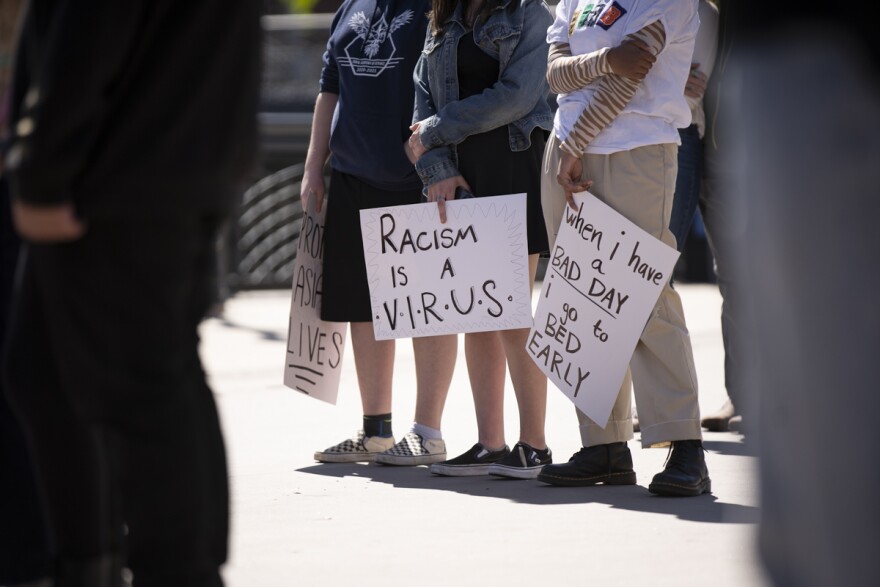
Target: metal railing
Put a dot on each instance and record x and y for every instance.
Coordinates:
(262, 239)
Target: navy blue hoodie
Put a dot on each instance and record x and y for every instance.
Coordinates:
(369, 62)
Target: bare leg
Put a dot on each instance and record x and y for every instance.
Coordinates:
(486, 370)
(529, 383)
(374, 362)
(435, 363)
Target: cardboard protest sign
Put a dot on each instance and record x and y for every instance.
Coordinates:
(470, 274)
(314, 347)
(603, 280)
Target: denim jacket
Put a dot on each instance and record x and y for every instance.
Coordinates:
(519, 99)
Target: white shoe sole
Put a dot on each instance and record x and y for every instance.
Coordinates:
(385, 459)
(323, 457)
(515, 472)
(459, 470)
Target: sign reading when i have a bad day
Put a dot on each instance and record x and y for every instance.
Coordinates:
(469, 274)
(314, 347)
(603, 279)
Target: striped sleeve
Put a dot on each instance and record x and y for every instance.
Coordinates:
(567, 73)
(612, 94)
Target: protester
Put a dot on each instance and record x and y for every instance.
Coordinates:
(630, 165)
(484, 132)
(361, 121)
(688, 182)
(721, 205)
(135, 133)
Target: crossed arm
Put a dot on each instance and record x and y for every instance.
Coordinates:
(618, 71)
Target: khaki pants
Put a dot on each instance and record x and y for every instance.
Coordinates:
(639, 184)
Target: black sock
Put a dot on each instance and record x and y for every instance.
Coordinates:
(378, 425)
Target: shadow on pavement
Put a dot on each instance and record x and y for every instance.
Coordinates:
(736, 446)
(270, 335)
(705, 508)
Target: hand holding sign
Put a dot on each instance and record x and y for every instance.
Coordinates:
(444, 191)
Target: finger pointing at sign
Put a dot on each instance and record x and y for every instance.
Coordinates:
(444, 190)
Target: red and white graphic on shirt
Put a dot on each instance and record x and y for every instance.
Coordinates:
(610, 15)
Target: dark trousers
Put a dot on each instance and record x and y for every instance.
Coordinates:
(103, 364)
(721, 203)
(24, 546)
(687, 184)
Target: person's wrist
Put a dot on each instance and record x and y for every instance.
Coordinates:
(570, 149)
(313, 169)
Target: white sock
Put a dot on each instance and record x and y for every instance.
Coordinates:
(427, 432)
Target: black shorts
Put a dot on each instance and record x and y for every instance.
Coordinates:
(492, 169)
(346, 293)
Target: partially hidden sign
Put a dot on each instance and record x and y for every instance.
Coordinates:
(314, 347)
(602, 282)
(469, 274)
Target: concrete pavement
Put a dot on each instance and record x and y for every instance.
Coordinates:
(296, 522)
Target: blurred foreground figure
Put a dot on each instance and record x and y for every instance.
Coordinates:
(24, 547)
(134, 132)
(809, 154)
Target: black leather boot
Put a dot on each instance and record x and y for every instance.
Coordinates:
(609, 464)
(685, 474)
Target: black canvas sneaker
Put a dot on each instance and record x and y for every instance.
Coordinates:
(523, 462)
(475, 461)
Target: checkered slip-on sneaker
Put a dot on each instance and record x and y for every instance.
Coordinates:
(413, 450)
(523, 462)
(360, 449)
(475, 461)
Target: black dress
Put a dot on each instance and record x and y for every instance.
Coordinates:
(486, 161)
